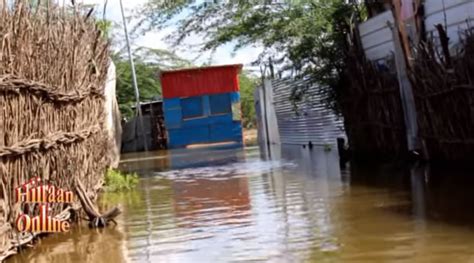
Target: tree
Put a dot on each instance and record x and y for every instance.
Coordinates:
(304, 39)
(148, 63)
(248, 83)
(147, 80)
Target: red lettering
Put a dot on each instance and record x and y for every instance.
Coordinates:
(23, 223)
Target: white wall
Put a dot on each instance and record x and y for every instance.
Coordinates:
(268, 125)
(274, 135)
(457, 13)
(112, 115)
(377, 37)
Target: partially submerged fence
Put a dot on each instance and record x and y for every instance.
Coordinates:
(53, 68)
(444, 93)
(440, 72)
(372, 109)
(303, 114)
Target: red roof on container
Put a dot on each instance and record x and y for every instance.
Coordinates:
(190, 82)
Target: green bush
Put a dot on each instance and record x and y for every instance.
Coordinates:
(116, 181)
(327, 147)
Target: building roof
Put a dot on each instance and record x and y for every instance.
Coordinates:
(239, 66)
(148, 103)
(189, 82)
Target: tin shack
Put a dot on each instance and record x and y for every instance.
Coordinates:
(202, 105)
(154, 135)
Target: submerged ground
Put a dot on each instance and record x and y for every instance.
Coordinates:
(290, 205)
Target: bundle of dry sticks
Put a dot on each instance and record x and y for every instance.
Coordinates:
(53, 68)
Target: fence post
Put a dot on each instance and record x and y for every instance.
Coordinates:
(406, 91)
(270, 115)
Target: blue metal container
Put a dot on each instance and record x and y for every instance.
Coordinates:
(203, 119)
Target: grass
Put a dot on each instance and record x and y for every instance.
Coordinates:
(327, 148)
(117, 181)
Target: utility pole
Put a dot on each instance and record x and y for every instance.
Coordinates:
(134, 78)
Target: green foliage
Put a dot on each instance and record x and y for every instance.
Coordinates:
(147, 80)
(327, 147)
(304, 39)
(148, 63)
(105, 27)
(116, 181)
(247, 88)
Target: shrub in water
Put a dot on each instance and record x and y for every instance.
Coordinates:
(116, 181)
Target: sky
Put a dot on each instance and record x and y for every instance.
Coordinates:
(156, 39)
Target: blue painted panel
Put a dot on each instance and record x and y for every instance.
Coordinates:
(192, 107)
(234, 97)
(205, 102)
(189, 120)
(220, 104)
(182, 137)
(220, 119)
(191, 123)
(220, 132)
(173, 119)
(226, 132)
(169, 104)
(237, 132)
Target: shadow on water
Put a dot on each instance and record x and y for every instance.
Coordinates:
(289, 204)
(429, 192)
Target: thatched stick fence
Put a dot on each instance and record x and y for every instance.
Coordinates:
(96, 219)
(370, 102)
(53, 68)
(444, 93)
(443, 87)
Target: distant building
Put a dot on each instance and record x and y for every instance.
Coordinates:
(154, 126)
(202, 105)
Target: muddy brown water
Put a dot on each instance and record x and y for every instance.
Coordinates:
(226, 205)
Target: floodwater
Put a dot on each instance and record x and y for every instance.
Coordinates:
(297, 205)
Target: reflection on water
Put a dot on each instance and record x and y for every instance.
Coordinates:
(220, 205)
(79, 245)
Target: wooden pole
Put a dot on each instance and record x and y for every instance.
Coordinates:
(406, 91)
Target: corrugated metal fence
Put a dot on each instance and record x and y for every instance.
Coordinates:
(307, 121)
